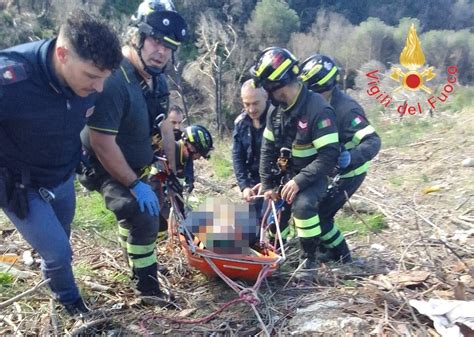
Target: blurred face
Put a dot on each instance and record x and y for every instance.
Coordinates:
(83, 77)
(195, 155)
(175, 119)
(254, 101)
(155, 54)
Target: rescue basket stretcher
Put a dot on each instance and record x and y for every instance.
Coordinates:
(262, 258)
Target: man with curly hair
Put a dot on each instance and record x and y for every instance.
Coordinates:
(47, 90)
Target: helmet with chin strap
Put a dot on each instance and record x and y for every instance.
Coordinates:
(199, 137)
(159, 20)
(320, 73)
(275, 67)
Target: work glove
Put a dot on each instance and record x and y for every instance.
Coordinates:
(344, 159)
(146, 198)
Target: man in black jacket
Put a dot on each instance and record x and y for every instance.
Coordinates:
(247, 139)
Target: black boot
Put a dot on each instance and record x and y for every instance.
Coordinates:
(340, 253)
(148, 287)
(77, 308)
(308, 272)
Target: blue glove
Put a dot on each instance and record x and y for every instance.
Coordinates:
(344, 159)
(146, 198)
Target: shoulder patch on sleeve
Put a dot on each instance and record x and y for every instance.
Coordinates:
(12, 73)
(324, 123)
(240, 118)
(356, 121)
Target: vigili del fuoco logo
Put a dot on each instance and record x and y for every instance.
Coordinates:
(412, 76)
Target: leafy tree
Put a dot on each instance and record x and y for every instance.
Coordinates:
(272, 23)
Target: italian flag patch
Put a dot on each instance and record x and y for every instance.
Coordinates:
(356, 121)
(324, 123)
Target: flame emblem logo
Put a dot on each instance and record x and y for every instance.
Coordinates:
(412, 58)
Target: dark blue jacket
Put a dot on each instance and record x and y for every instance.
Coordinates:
(246, 149)
(40, 119)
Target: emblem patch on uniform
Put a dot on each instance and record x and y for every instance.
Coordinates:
(356, 121)
(8, 75)
(90, 111)
(12, 73)
(302, 124)
(324, 123)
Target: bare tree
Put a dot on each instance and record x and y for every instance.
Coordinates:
(216, 43)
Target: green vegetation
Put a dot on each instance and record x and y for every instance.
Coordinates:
(375, 223)
(461, 98)
(82, 269)
(6, 279)
(221, 160)
(91, 212)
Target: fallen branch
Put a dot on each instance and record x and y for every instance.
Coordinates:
(23, 294)
(84, 327)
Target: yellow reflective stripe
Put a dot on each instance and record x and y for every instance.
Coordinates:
(359, 135)
(123, 243)
(349, 145)
(167, 39)
(330, 234)
(140, 249)
(328, 76)
(308, 233)
(285, 232)
(302, 223)
(325, 140)
(279, 70)
(304, 153)
(102, 129)
(163, 235)
(355, 172)
(313, 71)
(123, 231)
(142, 262)
(263, 66)
(336, 242)
(267, 134)
(190, 136)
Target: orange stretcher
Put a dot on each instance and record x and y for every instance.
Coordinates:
(233, 266)
(242, 267)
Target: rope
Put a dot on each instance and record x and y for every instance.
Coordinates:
(248, 295)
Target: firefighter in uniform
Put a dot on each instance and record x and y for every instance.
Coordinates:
(195, 143)
(360, 144)
(118, 136)
(301, 131)
(47, 89)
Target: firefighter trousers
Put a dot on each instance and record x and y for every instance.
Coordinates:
(137, 235)
(331, 238)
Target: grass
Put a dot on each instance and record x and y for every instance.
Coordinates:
(375, 223)
(221, 159)
(6, 279)
(82, 269)
(461, 98)
(91, 212)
